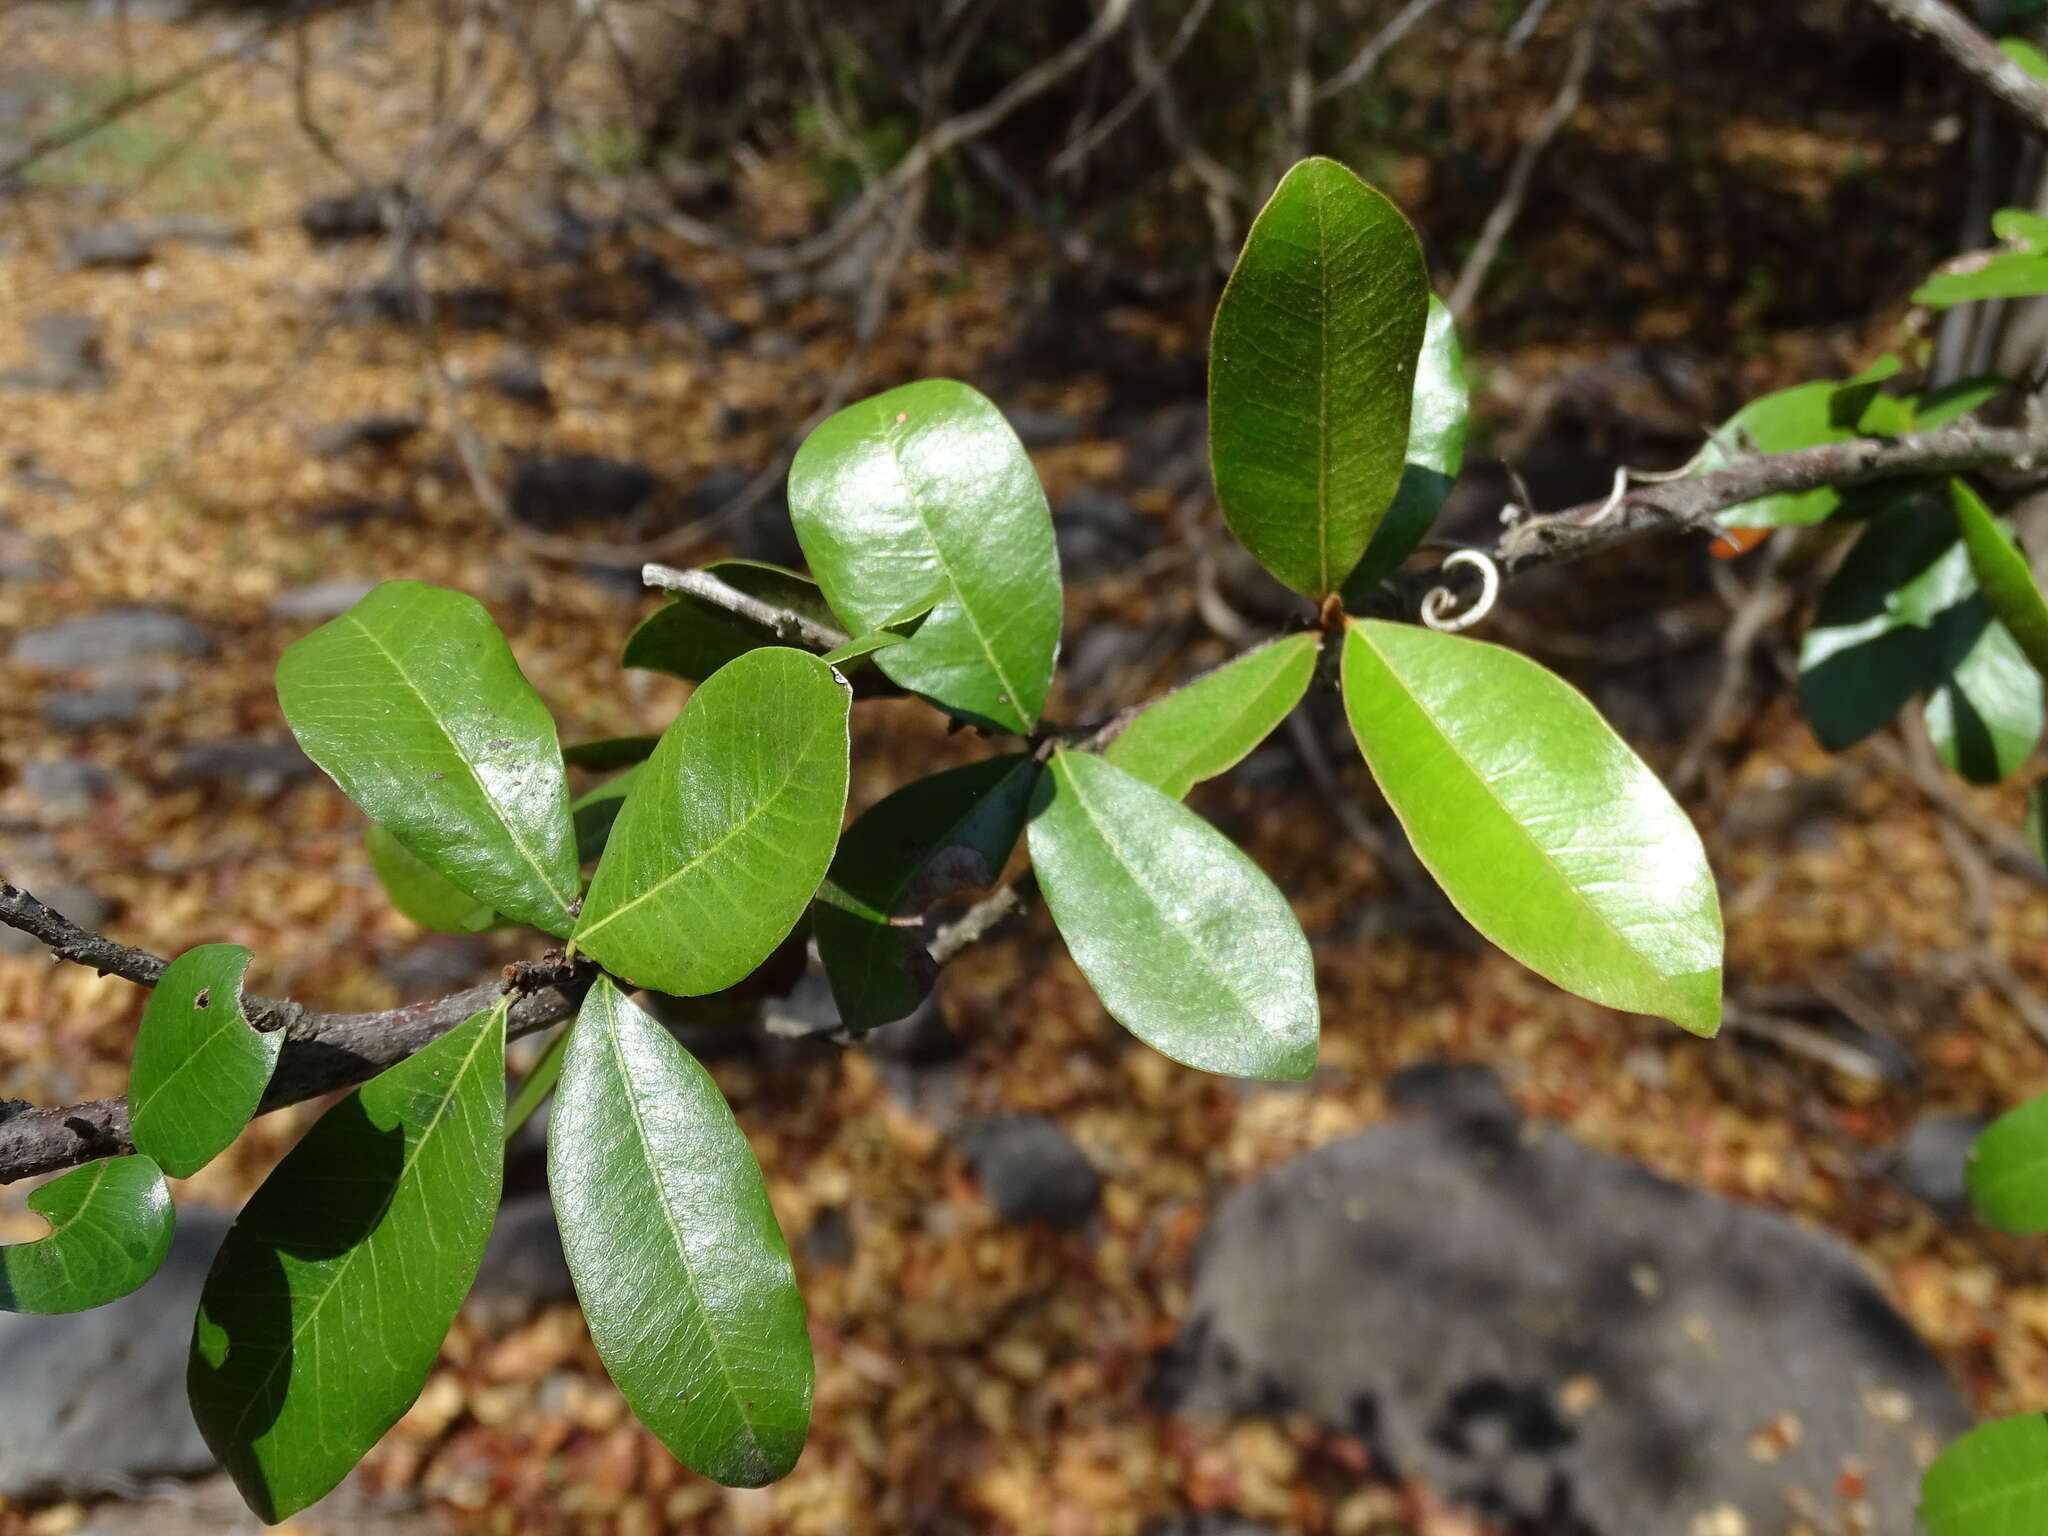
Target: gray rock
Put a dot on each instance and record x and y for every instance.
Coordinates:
(116, 635)
(1557, 1338)
(65, 784)
(117, 245)
(1042, 429)
(571, 489)
(212, 1507)
(108, 1407)
(1930, 1160)
(85, 709)
(322, 599)
(523, 1269)
(517, 374)
(1099, 534)
(256, 768)
(1031, 1170)
(347, 216)
(194, 229)
(67, 355)
(379, 433)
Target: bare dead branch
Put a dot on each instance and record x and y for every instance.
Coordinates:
(1975, 54)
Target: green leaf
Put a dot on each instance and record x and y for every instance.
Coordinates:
(199, 1069)
(937, 837)
(110, 1227)
(2026, 55)
(596, 812)
(1436, 451)
(691, 638)
(727, 829)
(413, 703)
(861, 647)
(1553, 839)
(2004, 576)
(1953, 401)
(1904, 615)
(421, 892)
(328, 1302)
(1211, 724)
(1992, 1482)
(609, 753)
(1985, 275)
(2008, 1170)
(1312, 366)
(1188, 944)
(2022, 227)
(923, 490)
(683, 1274)
(1800, 417)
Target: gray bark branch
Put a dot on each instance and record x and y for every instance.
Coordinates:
(1973, 52)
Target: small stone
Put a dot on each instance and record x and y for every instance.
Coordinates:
(1043, 429)
(517, 375)
(65, 783)
(87, 709)
(1031, 1170)
(380, 432)
(258, 768)
(322, 599)
(1930, 1160)
(571, 489)
(117, 245)
(348, 216)
(117, 634)
(68, 355)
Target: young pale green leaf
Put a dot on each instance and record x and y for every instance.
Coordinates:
(2022, 227)
(1904, 615)
(727, 829)
(329, 1299)
(413, 703)
(1985, 275)
(2004, 575)
(1312, 366)
(1553, 839)
(683, 1274)
(2024, 53)
(607, 754)
(1436, 452)
(861, 648)
(924, 490)
(199, 1069)
(596, 812)
(420, 891)
(1992, 1482)
(691, 638)
(942, 835)
(1188, 944)
(1209, 725)
(110, 1227)
(2008, 1170)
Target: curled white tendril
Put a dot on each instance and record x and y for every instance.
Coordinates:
(1439, 604)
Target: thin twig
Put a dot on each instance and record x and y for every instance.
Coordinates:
(1367, 59)
(782, 622)
(1973, 52)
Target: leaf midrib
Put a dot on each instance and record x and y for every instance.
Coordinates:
(511, 830)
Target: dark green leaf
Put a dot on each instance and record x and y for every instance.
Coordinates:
(2008, 1170)
(727, 830)
(923, 490)
(413, 703)
(1210, 724)
(329, 1299)
(110, 1227)
(937, 837)
(1992, 1482)
(596, 811)
(1185, 940)
(199, 1069)
(1985, 710)
(2004, 576)
(608, 753)
(681, 1269)
(1553, 839)
(421, 892)
(1312, 365)
(1436, 451)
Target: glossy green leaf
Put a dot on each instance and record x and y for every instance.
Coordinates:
(2008, 1169)
(924, 490)
(683, 1274)
(691, 638)
(2004, 575)
(1992, 1482)
(199, 1069)
(421, 892)
(861, 648)
(606, 754)
(110, 1227)
(330, 1297)
(1188, 944)
(1211, 724)
(940, 836)
(1436, 452)
(1312, 366)
(1553, 839)
(727, 830)
(596, 812)
(1985, 275)
(413, 703)
(1904, 616)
